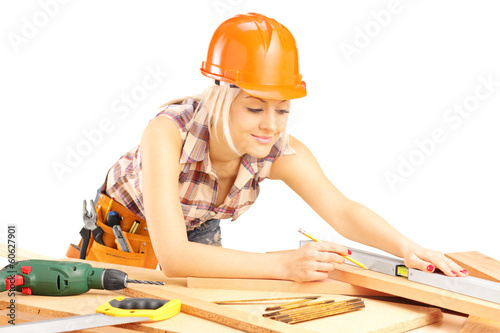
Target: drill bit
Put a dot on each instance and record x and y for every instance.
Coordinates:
(147, 282)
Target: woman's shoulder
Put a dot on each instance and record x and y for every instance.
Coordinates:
(180, 111)
(289, 163)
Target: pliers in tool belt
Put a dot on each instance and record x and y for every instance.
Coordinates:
(90, 226)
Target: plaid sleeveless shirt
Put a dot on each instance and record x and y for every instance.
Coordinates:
(197, 179)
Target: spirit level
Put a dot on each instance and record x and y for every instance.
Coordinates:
(470, 286)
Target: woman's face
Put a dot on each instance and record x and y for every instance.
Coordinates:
(256, 124)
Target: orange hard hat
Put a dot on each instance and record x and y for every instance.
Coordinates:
(258, 55)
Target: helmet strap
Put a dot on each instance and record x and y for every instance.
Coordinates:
(217, 82)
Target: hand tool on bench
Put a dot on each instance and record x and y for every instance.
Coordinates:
(117, 311)
(90, 227)
(61, 278)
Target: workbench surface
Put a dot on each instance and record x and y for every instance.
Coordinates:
(378, 315)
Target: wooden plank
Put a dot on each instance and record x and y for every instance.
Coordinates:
(226, 316)
(209, 312)
(31, 308)
(87, 303)
(478, 264)
(451, 323)
(387, 316)
(400, 286)
(67, 306)
(480, 325)
(327, 286)
(378, 316)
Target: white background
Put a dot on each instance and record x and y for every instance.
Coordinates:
(66, 67)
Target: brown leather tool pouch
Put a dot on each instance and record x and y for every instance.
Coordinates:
(141, 255)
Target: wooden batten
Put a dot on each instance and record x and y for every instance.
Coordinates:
(478, 264)
(327, 286)
(400, 286)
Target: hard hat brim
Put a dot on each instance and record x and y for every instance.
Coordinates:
(263, 91)
(274, 92)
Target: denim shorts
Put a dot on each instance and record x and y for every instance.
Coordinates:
(207, 233)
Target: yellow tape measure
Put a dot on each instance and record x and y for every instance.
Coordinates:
(154, 309)
(117, 311)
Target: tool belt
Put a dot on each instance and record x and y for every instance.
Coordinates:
(141, 255)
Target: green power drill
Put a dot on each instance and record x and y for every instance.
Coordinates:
(61, 278)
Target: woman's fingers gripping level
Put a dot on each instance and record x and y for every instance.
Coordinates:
(429, 261)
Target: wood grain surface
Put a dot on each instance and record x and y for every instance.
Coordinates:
(480, 325)
(478, 264)
(400, 286)
(327, 286)
(201, 315)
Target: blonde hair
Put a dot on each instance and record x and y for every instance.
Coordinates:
(217, 99)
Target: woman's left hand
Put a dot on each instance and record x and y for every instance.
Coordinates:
(428, 260)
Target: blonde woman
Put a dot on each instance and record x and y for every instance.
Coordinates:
(202, 159)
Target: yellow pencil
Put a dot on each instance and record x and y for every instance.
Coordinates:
(109, 208)
(354, 261)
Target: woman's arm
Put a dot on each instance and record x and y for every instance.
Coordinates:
(161, 148)
(302, 173)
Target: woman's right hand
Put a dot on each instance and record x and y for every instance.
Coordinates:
(313, 261)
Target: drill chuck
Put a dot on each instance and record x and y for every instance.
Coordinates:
(113, 279)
